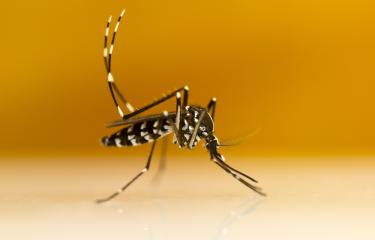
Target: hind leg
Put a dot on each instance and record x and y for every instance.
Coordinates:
(145, 169)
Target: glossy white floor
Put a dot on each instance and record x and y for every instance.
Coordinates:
(307, 199)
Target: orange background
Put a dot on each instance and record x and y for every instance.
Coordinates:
(302, 71)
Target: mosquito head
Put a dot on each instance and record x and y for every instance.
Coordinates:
(212, 144)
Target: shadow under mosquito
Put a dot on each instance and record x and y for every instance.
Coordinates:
(248, 206)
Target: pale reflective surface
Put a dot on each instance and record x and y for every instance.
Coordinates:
(308, 199)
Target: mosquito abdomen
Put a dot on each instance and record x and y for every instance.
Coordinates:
(138, 133)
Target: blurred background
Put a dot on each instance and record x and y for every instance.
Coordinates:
(298, 73)
(302, 72)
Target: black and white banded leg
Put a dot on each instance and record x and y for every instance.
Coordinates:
(254, 188)
(159, 101)
(108, 64)
(211, 107)
(177, 125)
(239, 172)
(195, 130)
(186, 97)
(145, 169)
(238, 177)
(111, 82)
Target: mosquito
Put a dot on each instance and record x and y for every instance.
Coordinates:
(188, 123)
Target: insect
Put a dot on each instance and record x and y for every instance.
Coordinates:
(188, 123)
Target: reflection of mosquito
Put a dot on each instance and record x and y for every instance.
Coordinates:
(188, 123)
(245, 208)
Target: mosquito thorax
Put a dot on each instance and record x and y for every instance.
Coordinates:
(195, 124)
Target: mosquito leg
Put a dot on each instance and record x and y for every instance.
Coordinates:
(186, 97)
(176, 124)
(254, 188)
(130, 107)
(211, 107)
(153, 104)
(106, 42)
(195, 131)
(239, 172)
(221, 159)
(108, 64)
(178, 111)
(145, 169)
(111, 83)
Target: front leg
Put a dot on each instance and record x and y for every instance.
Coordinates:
(177, 123)
(211, 107)
(158, 101)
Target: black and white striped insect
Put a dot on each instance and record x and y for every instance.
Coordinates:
(189, 123)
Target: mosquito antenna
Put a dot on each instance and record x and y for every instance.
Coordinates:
(238, 140)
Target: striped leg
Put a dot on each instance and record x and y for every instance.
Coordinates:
(178, 110)
(195, 131)
(159, 101)
(108, 63)
(177, 123)
(186, 97)
(177, 139)
(239, 172)
(211, 107)
(111, 83)
(145, 169)
(228, 170)
(179, 107)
